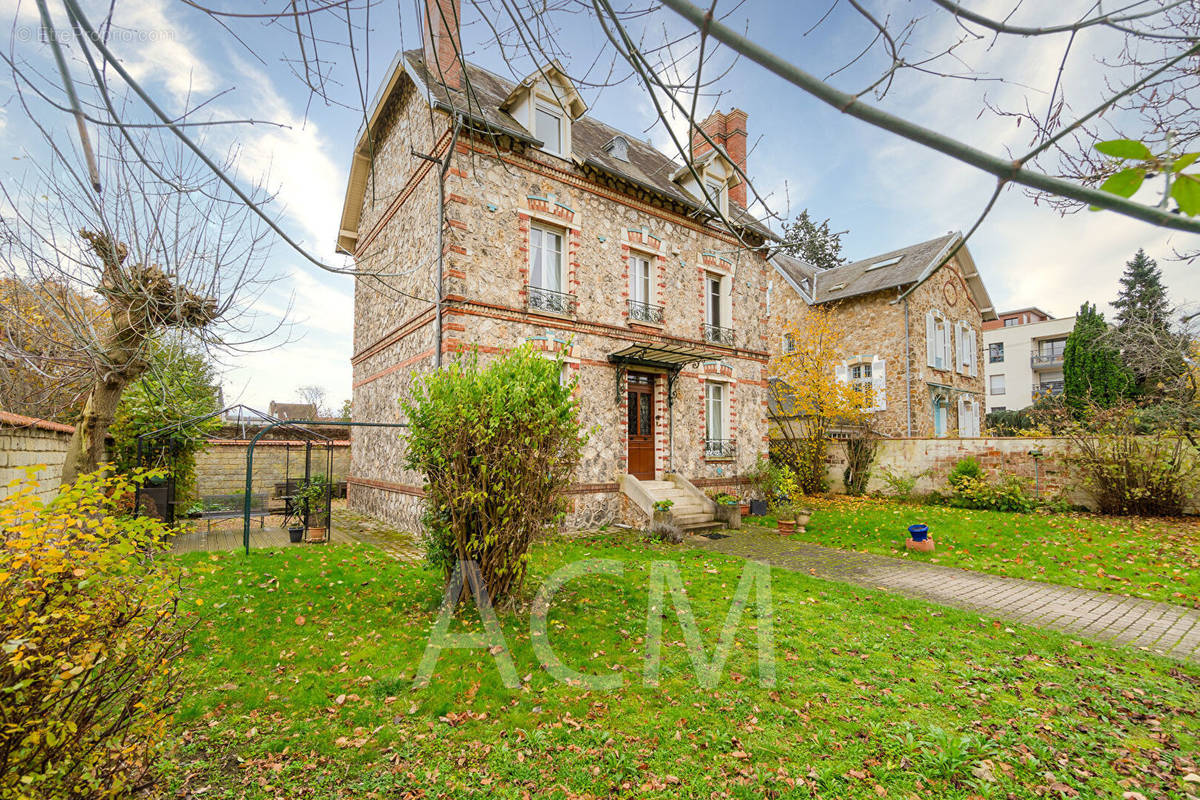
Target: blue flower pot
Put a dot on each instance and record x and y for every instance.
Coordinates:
(919, 532)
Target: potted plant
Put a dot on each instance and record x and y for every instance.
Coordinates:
(309, 503)
(919, 538)
(785, 514)
(293, 519)
(662, 510)
(728, 511)
(761, 478)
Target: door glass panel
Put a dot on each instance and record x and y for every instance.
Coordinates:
(633, 412)
(646, 415)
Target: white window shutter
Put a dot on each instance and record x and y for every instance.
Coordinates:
(962, 367)
(962, 417)
(947, 346)
(974, 357)
(931, 343)
(878, 384)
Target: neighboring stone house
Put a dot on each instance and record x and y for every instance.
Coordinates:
(913, 332)
(566, 233)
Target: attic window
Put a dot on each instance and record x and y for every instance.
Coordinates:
(888, 262)
(717, 194)
(549, 126)
(618, 148)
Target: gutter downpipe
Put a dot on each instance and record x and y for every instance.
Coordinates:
(907, 371)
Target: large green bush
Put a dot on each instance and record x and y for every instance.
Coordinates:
(497, 445)
(180, 384)
(1131, 470)
(90, 636)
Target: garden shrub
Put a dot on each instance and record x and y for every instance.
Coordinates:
(90, 636)
(965, 468)
(497, 445)
(860, 449)
(1007, 494)
(1129, 464)
(901, 484)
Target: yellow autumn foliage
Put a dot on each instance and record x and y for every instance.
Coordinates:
(90, 630)
(808, 399)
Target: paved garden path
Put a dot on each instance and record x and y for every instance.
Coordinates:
(1162, 628)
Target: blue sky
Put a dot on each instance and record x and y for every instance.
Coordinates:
(887, 192)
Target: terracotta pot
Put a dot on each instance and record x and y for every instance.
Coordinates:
(315, 535)
(745, 508)
(923, 546)
(787, 526)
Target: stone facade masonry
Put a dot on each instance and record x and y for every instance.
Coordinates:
(875, 329)
(493, 200)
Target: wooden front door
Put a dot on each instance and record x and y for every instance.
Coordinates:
(641, 425)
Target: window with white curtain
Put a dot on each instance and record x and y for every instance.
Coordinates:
(641, 288)
(714, 411)
(545, 258)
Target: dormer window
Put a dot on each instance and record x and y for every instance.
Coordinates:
(718, 196)
(549, 128)
(545, 104)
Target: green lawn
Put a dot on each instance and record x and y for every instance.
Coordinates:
(299, 684)
(1153, 558)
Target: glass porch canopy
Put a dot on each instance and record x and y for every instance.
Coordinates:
(671, 357)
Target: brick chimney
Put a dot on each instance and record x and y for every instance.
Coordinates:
(728, 131)
(443, 45)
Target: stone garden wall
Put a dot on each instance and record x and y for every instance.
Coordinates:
(27, 442)
(221, 466)
(997, 455)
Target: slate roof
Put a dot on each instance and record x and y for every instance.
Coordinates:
(894, 269)
(483, 94)
(857, 277)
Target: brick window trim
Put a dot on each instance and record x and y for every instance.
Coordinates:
(730, 403)
(629, 249)
(571, 238)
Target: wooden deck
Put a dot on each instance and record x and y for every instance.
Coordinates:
(348, 528)
(231, 539)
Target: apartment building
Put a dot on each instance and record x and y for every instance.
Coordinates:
(1023, 357)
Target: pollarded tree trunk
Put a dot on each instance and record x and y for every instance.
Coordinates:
(142, 301)
(86, 450)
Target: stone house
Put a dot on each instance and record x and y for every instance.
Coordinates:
(488, 213)
(913, 332)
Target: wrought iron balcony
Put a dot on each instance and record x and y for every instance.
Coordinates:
(1048, 388)
(539, 299)
(720, 448)
(1046, 361)
(645, 312)
(717, 335)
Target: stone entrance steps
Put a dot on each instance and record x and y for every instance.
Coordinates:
(688, 512)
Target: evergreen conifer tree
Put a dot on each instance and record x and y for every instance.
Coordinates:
(1092, 366)
(1142, 298)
